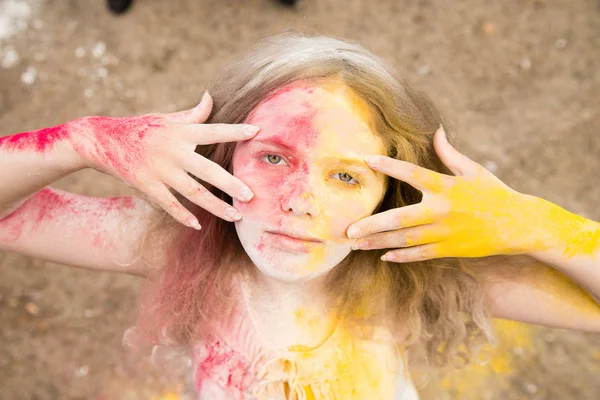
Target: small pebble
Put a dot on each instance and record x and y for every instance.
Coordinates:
(525, 64)
(32, 308)
(424, 70)
(10, 57)
(561, 43)
(531, 387)
(82, 371)
(488, 28)
(99, 49)
(102, 72)
(29, 76)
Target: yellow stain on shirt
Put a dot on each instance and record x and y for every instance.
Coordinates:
(345, 367)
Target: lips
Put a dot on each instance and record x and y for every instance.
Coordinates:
(293, 241)
(295, 235)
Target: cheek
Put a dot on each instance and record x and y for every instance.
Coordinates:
(342, 210)
(264, 182)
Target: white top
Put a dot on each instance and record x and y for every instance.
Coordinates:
(237, 363)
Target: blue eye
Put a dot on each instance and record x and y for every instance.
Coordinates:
(346, 177)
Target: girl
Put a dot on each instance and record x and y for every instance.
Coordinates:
(278, 305)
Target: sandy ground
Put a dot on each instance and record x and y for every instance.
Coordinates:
(520, 79)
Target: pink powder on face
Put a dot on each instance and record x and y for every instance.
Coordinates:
(39, 141)
(286, 119)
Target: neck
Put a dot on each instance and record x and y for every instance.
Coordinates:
(301, 309)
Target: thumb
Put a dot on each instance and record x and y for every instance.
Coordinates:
(196, 115)
(457, 162)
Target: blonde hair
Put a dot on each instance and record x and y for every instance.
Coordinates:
(436, 304)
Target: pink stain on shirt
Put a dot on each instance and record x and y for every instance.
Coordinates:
(227, 366)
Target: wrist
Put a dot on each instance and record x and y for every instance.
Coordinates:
(72, 152)
(563, 232)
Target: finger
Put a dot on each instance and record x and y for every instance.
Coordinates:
(160, 194)
(418, 177)
(457, 162)
(216, 175)
(411, 254)
(218, 133)
(195, 115)
(198, 194)
(407, 237)
(396, 218)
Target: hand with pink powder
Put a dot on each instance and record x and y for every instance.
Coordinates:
(155, 152)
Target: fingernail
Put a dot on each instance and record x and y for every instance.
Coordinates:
(387, 257)
(353, 232)
(251, 130)
(246, 194)
(193, 223)
(372, 160)
(232, 214)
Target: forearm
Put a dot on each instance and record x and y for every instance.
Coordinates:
(30, 161)
(572, 247)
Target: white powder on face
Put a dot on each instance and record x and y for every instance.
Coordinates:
(14, 17)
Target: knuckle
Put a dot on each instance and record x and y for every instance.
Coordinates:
(398, 219)
(423, 252)
(405, 239)
(194, 190)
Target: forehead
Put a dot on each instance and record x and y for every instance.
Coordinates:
(327, 114)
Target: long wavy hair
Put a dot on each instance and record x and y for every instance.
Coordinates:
(436, 304)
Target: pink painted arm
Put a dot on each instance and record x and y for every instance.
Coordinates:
(152, 153)
(66, 228)
(30, 161)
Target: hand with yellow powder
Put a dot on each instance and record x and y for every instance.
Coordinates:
(474, 214)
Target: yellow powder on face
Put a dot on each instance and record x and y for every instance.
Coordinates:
(343, 123)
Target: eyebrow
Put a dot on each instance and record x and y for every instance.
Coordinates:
(277, 142)
(351, 161)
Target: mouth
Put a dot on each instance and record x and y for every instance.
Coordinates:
(295, 236)
(295, 242)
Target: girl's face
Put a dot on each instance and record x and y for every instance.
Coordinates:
(309, 179)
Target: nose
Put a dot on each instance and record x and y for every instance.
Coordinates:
(300, 201)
